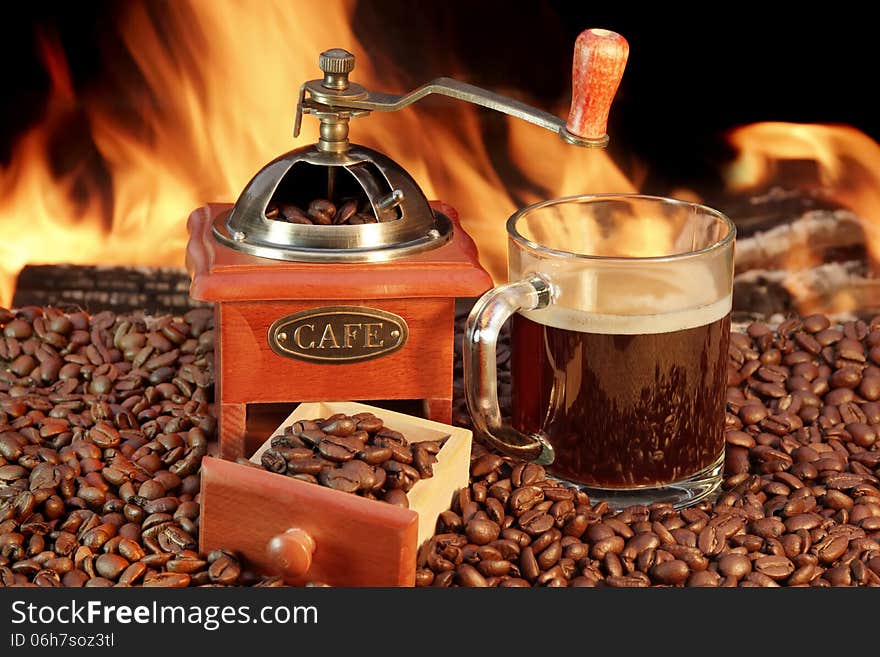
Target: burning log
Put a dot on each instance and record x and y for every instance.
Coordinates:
(797, 252)
(761, 211)
(805, 240)
(151, 290)
(830, 287)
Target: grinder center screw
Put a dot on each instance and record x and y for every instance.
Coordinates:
(336, 64)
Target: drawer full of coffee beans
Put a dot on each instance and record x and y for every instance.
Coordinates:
(340, 493)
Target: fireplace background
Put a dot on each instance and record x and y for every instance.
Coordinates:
(694, 72)
(693, 75)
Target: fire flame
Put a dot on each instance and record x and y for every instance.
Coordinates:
(222, 80)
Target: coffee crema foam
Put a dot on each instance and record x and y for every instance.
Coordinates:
(636, 300)
(608, 324)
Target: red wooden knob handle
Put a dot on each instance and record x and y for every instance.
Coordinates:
(599, 60)
(291, 552)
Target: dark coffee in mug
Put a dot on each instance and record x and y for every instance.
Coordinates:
(620, 308)
(626, 401)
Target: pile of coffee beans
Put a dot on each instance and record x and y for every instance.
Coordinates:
(323, 212)
(104, 420)
(800, 504)
(352, 453)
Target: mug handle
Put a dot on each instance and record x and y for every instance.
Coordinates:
(480, 365)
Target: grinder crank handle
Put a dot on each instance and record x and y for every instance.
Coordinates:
(599, 59)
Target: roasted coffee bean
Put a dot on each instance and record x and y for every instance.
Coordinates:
(322, 211)
(424, 577)
(312, 436)
(424, 462)
(485, 464)
(604, 546)
(286, 440)
(550, 555)
(831, 548)
(816, 323)
(640, 543)
(346, 211)
(770, 527)
(467, 575)
(273, 461)
(562, 511)
(482, 531)
(535, 522)
(166, 579)
(133, 574)
(524, 498)
(635, 580)
(363, 473)
(292, 213)
(759, 579)
(340, 480)
(131, 550)
(400, 475)
(187, 565)
(670, 572)
(400, 453)
(344, 426)
(862, 434)
(396, 497)
(528, 565)
(333, 449)
(775, 567)
(539, 543)
(311, 466)
(110, 566)
(711, 541)
(706, 578)
(179, 538)
(374, 455)
(368, 422)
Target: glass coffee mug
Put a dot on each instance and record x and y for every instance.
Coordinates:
(621, 320)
